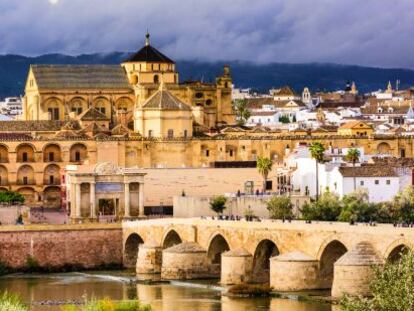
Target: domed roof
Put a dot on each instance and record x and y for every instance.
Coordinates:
(240, 252)
(149, 54)
(185, 247)
(363, 254)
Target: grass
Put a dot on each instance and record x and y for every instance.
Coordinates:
(11, 302)
(108, 305)
(251, 290)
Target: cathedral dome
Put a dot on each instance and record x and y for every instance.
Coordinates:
(149, 54)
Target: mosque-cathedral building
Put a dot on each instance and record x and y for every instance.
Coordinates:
(138, 114)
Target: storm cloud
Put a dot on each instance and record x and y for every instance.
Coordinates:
(369, 32)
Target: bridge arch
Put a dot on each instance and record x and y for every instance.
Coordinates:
(131, 250)
(217, 245)
(397, 249)
(331, 252)
(265, 249)
(170, 239)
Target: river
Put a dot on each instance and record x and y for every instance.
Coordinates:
(199, 296)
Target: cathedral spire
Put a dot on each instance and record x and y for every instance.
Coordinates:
(147, 39)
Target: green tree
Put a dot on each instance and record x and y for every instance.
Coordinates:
(11, 197)
(327, 208)
(284, 119)
(218, 204)
(264, 166)
(356, 207)
(317, 151)
(403, 205)
(352, 156)
(242, 111)
(280, 207)
(392, 288)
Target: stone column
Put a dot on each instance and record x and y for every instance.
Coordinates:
(141, 199)
(78, 200)
(127, 206)
(93, 200)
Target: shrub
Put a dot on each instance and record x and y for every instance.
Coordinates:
(109, 305)
(218, 204)
(280, 207)
(392, 288)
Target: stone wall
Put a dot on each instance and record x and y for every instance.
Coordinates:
(161, 185)
(88, 246)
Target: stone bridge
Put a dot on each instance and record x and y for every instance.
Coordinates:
(291, 256)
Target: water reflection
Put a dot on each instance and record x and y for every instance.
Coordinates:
(162, 297)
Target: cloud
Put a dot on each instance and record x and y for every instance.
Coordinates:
(369, 32)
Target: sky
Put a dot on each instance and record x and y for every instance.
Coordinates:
(376, 33)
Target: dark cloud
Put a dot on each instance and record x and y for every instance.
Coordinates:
(369, 32)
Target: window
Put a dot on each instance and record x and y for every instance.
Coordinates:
(24, 157)
(199, 95)
(54, 113)
(185, 133)
(25, 180)
(207, 153)
(102, 109)
(156, 79)
(149, 133)
(376, 181)
(361, 182)
(51, 156)
(77, 110)
(231, 153)
(51, 179)
(170, 134)
(77, 156)
(388, 182)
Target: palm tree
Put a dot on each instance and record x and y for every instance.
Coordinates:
(317, 150)
(352, 156)
(264, 166)
(243, 113)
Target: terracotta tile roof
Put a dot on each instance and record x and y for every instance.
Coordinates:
(395, 162)
(31, 126)
(92, 114)
(353, 124)
(263, 113)
(14, 136)
(285, 91)
(337, 104)
(368, 171)
(164, 100)
(80, 77)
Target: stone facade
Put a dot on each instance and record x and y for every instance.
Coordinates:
(149, 259)
(236, 267)
(294, 271)
(87, 246)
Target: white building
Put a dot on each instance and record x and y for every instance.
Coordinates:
(382, 182)
(11, 106)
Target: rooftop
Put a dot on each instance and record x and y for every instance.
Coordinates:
(80, 77)
(367, 171)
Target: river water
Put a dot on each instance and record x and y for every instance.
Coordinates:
(53, 289)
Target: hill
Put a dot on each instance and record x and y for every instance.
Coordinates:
(316, 76)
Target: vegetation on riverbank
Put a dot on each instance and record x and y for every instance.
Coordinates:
(392, 288)
(109, 305)
(12, 302)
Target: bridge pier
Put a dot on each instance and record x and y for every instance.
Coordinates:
(236, 267)
(185, 261)
(353, 272)
(293, 272)
(149, 259)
